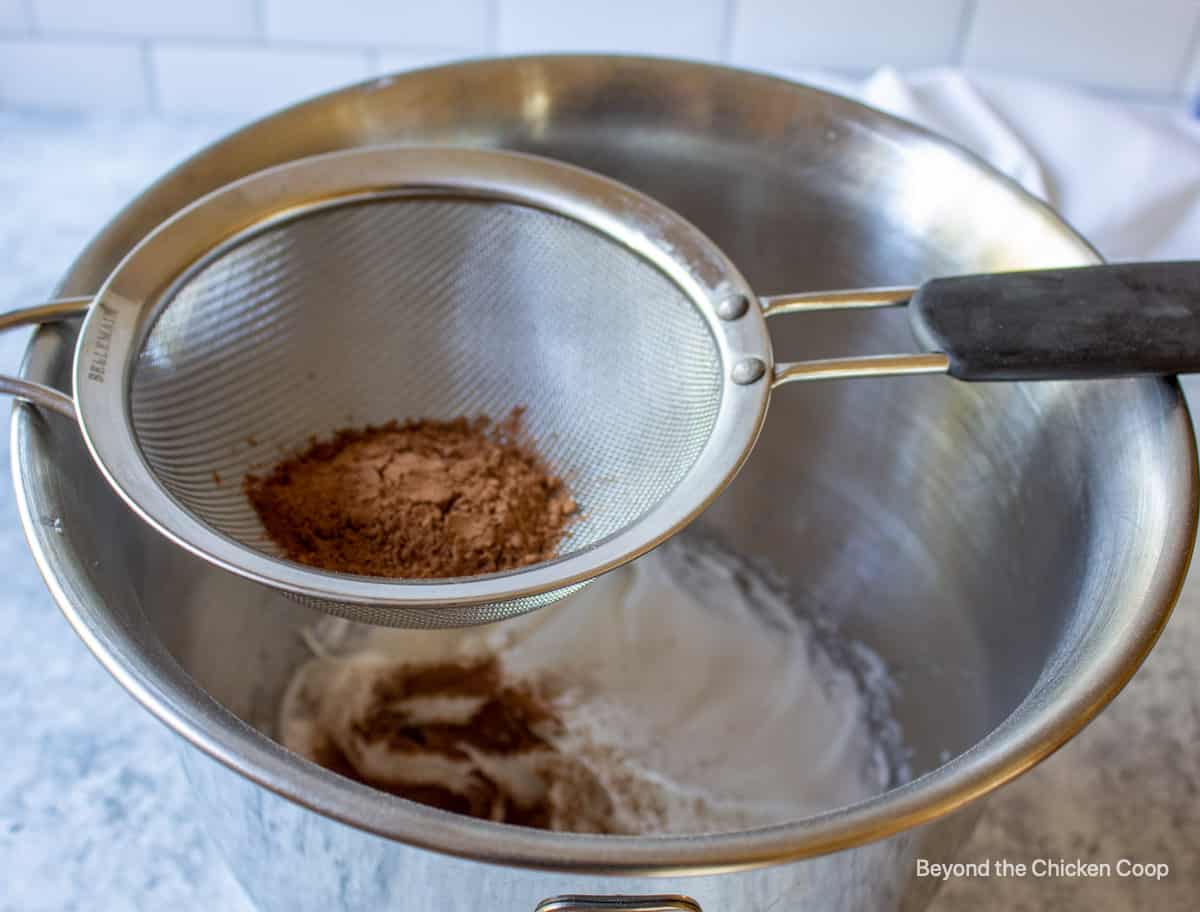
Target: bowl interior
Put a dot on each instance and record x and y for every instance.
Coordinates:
(987, 541)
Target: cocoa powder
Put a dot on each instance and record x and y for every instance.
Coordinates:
(423, 499)
(466, 736)
(512, 719)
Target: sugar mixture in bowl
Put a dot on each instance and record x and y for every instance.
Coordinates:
(679, 694)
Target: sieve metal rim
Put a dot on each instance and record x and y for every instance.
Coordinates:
(132, 295)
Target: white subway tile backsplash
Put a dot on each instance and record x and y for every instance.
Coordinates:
(252, 55)
(415, 23)
(847, 34)
(13, 16)
(685, 28)
(72, 75)
(1118, 44)
(147, 18)
(250, 80)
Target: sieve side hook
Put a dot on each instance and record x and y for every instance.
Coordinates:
(845, 368)
(51, 312)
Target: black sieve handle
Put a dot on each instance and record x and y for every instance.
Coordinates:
(1057, 324)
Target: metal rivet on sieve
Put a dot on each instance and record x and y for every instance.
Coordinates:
(747, 371)
(732, 307)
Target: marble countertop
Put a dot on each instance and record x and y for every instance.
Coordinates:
(95, 813)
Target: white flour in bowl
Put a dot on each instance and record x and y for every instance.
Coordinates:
(680, 694)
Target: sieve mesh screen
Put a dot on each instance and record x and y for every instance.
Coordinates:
(427, 307)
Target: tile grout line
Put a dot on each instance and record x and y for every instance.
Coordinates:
(219, 42)
(150, 77)
(729, 16)
(491, 28)
(1190, 62)
(259, 20)
(965, 21)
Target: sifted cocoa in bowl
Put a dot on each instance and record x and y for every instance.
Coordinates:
(421, 499)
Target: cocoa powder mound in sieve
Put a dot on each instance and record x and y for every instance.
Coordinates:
(421, 500)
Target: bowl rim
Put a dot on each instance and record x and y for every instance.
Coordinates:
(1026, 737)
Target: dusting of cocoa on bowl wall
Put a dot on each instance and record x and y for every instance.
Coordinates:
(421, 499)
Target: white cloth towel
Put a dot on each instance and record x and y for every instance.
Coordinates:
(1127, 177)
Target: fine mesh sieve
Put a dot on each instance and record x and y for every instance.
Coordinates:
(361, 312)
(388, 283)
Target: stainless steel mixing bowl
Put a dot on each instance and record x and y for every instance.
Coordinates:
(1012, 551)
